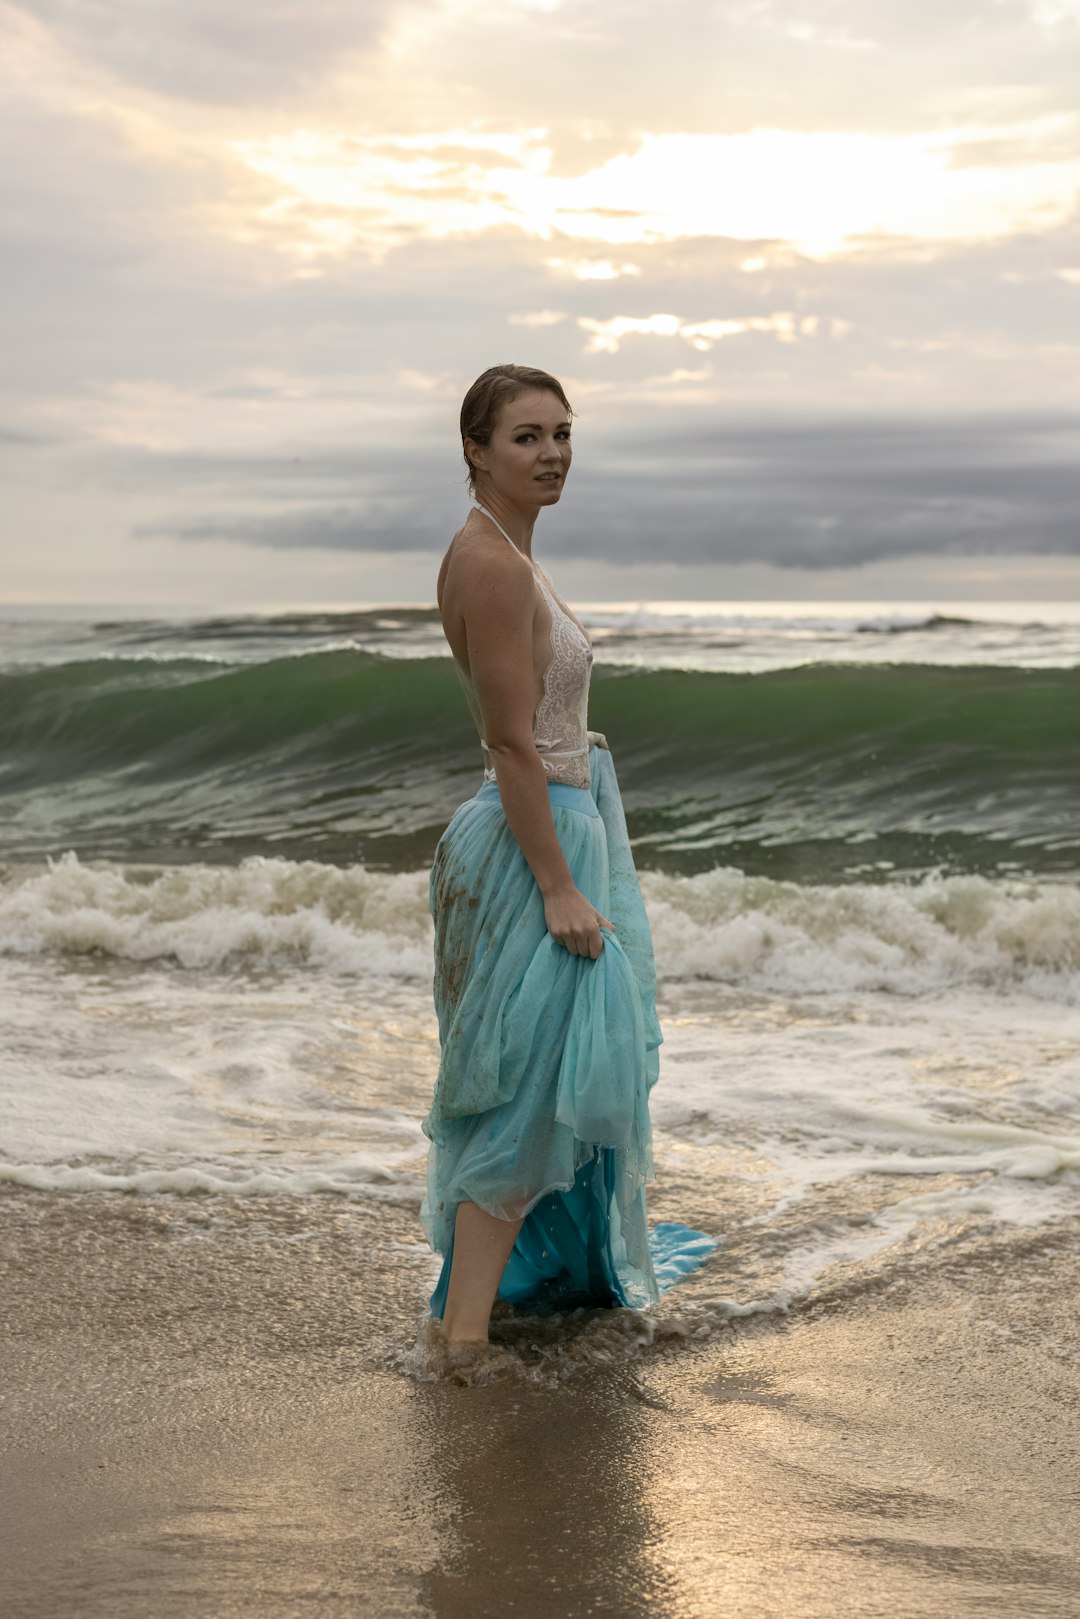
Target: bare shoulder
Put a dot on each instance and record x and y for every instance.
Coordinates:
(482, 572)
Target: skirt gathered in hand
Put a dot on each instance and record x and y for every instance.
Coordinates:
(541, 1109)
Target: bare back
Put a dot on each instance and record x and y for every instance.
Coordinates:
(469, 552)
(561, 658)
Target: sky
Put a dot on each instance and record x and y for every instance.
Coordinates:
(809, 273)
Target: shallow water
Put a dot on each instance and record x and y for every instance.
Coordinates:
(822, 1132)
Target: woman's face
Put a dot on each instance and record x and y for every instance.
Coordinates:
(529, 455)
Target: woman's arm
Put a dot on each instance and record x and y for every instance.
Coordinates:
(499, 604)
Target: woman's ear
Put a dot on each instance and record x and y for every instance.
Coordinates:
(475, 455)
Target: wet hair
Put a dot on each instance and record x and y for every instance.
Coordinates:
(490, 392)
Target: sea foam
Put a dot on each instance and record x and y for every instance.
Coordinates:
(907, 938)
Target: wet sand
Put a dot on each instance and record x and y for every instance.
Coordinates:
(203, 1417)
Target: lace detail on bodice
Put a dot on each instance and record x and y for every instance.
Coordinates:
(560, 723)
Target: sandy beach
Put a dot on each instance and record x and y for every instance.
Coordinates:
(207, 1413)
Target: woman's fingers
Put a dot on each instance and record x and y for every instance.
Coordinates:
(576, 924)
(593, 941)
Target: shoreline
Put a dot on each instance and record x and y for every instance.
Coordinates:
(204, 1417)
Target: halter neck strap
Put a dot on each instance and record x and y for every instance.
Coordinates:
(492, 518)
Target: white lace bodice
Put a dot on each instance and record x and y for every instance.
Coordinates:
(560, 723)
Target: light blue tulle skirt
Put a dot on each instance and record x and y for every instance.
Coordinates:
(541, 1108)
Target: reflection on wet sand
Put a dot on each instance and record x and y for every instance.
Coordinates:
(840, 1470)
(547, 1493)
(897, 1460)
(204, 1418)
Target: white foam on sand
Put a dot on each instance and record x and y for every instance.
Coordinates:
(150, 1079)
(971, 1095)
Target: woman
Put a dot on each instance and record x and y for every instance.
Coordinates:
(544, 977)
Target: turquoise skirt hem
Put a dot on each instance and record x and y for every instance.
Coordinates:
(547, 1060)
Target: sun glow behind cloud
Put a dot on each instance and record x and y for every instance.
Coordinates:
(286, 243)
(606, 336)
(823, 193)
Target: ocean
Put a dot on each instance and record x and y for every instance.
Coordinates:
(858, 832)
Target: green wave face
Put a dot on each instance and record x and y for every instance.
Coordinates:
(824, 771)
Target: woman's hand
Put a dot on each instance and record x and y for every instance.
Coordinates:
(575, 922)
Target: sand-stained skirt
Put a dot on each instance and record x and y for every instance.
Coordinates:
(547, 1058)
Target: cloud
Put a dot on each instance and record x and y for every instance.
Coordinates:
(537, 317)
(606, 336)
(684, 67)
(823, 495)
(17, 436)
(821, 191)
(255, 253)
(593, 269)
(376, 526)
(591, 70)
(247, 50)
(843, 494)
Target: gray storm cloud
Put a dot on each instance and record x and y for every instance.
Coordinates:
(839, 494)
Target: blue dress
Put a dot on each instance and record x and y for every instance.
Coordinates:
(541, 1108)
